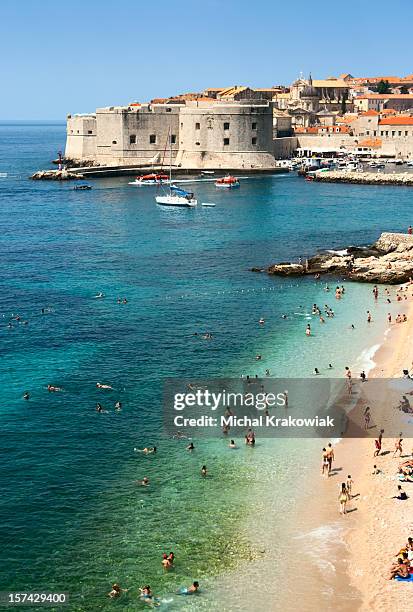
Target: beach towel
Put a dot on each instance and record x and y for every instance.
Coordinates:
(400, 579)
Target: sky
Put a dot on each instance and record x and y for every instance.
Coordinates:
(71, 57)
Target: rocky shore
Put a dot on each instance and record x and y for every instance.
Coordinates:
(56, 175)
(364, 178)
(389, 260)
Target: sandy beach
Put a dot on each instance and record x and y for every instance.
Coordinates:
(376, 526)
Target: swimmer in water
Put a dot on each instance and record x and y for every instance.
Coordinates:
(26, 395)
(99, 295)
(368, 316)
(330, 367)
(146, 593)
(204, 471)
(116, 591)
(261, 321)
(316, 371)
(232, 444)
(99, 408)
(190, 447)
(144, 482)
(118, 406)
(100, 386)
(194, 587)
(308, 330)
(258, 357)
(267, 372)
(148, 450)
(53, 389)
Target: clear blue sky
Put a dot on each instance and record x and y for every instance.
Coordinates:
(60, 57)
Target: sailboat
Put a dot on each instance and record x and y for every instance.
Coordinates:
(176, 196)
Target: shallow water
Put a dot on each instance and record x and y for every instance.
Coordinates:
(73, 518)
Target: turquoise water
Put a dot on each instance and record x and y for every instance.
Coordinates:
(73, 518)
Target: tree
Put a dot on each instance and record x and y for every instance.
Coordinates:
(383, 87)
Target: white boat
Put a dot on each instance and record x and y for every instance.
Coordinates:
(410, 163)
(176, 197)
(177, 200)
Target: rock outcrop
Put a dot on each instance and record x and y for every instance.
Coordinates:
(55, 175)
(389, 260)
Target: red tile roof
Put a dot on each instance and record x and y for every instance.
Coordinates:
(396, 121)
(369, 113)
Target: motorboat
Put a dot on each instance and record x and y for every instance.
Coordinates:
(228, 182)
(82, 187)
(151, 179)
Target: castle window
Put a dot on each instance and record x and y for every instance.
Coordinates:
(71, 131)
(393, 133)
(152, 139)
(132, 139)
(182, 125)
(197, 143)
(226, 125)
(173, 138)
(400, 133)
(406, 133)
(197, 126)
(226, 141)
(254, 140)
(89, 132)
(114, 141)
(78, 131)
(254, 126)
(168, 110)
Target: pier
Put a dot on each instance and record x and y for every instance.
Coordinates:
(364, 178)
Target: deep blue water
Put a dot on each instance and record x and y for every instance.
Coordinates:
(71, 517)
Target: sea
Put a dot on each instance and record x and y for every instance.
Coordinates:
(74, 518)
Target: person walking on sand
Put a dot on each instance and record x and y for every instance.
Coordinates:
(410, 230)
(377, 444)
(343, 498)
(349, 486)
(398, 446)
(367, 418)
(330, 456)
(325, 464)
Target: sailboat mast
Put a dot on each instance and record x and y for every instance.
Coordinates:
(170, 165)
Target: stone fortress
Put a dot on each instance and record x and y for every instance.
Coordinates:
(240, 128)
(199, 133)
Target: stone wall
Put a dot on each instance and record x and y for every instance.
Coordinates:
(81, 137)
(137, 135)
(284, 148)
(226, 135)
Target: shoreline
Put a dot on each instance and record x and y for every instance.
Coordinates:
(377, 526)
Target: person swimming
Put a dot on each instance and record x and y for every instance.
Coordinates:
(190, 446)
(144, 482)
(118, 406)
(316, 371)
(101, 386)
(204, 471)
(99, 295)
(232, 444)
(26, 395)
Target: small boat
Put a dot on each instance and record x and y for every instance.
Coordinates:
(210, 204)
(229, 182)
(82, 187)
(150, 179)
(177, 197)
(207, 171)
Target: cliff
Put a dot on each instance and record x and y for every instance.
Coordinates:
(388, 260)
